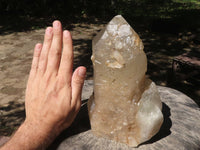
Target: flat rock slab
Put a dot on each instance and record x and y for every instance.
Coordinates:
(180, 130)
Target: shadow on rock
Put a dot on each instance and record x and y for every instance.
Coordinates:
(80, 124)
(11, 116)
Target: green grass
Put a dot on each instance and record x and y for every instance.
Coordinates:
(173, 9)
(196, 2)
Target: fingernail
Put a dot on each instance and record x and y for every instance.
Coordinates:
(66, 33)
(81, 72)
(38, 46)
(56, 24)
(49, 31)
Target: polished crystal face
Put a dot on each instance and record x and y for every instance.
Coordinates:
(126, 106)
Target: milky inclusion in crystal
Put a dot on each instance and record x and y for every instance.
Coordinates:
(125, 106)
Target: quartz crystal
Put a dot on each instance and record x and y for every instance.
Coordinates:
(125, 106)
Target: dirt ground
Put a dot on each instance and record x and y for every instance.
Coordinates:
(16, 54)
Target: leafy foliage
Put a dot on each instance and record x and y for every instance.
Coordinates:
(98, 8)
(22, 13)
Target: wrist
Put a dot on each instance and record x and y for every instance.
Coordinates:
(46, 134)
(30, 135)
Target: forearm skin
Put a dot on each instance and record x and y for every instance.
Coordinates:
(30, 137)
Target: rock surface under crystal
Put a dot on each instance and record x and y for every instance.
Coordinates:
(126, 106)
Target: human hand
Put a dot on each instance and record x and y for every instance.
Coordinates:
(53, 94)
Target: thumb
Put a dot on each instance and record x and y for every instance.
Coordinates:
(77, 84)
